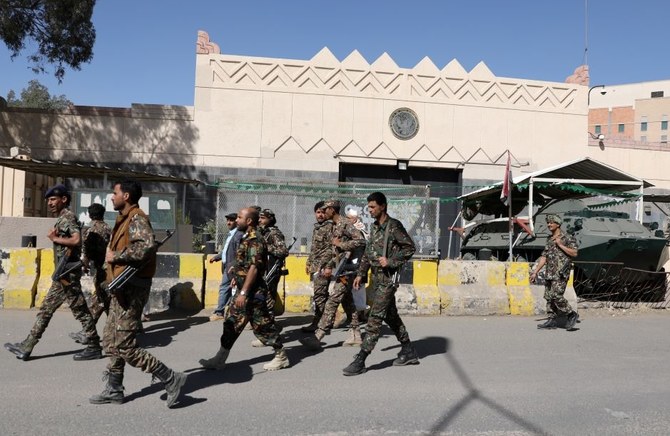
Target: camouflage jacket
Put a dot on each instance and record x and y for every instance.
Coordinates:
(558, 264)
(66, 225)
(133, 243)
(350, 237)
(275, 245)
(399, 248)
(95, 240)
(252, 251)
(322, 247)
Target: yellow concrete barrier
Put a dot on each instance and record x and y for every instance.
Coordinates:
(297, 295)
(472, 288)
(47, 267)
(522, 297)
(189, 290)
(21, 278)
(213, 279)
(424, 283)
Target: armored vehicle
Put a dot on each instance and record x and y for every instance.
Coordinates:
(615, 251)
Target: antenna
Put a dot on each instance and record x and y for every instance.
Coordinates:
(586, 32)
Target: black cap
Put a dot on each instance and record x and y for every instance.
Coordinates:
(231, 216)
(57, 191)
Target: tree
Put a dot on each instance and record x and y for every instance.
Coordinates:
(37, 96)
(62, 30)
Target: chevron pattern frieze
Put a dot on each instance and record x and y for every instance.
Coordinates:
(382, 151)
(324, 73)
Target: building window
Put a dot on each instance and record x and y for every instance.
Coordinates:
(664, 139)
(621, 128)
(664, 125)
(598, 129)
(643, 126)
(643, 139)
(657, 94)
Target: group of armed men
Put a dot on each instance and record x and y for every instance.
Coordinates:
(340, 253)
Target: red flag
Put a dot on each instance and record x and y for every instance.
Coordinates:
(507, 182)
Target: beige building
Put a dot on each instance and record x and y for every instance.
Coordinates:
(328, 119)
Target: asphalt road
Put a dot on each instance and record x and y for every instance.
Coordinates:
(478, 376)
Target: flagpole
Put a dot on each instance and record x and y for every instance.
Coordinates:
(511, 225)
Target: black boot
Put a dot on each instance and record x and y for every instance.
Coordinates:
(79, 337)
(91, 352)
(22, 349)
(548, 324)
(573, 317)
(358, 365)
(172, 380)
(406, 356)
(113, 393)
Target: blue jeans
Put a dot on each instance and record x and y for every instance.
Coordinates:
(224, 294)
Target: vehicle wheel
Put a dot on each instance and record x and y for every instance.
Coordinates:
(468, 256)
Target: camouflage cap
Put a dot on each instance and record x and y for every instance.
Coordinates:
(57, 191)
(331, 203)
(267, 213)
(553, 218)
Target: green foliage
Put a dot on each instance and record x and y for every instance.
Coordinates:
(208, 228)
(61, 29)
(37, 96)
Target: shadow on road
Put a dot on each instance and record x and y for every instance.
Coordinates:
(424, 347)
(473, 395)
(161, 334)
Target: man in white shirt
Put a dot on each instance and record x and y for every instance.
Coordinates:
(227, 256)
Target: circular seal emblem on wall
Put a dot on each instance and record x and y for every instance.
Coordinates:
(404, 123)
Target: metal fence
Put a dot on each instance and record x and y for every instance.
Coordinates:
(293, 205)
(615, 285)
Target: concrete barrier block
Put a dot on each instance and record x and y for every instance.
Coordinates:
(297, 289)
(524, 299)
(213, 277)
(188, 291)
(4, 272)
(527, 299)
(472, 288)
(47, 267)
(426, 292)
(22, 278)
(405, 299)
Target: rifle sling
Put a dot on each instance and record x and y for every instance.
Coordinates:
(386, 237)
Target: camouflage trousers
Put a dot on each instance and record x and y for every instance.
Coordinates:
(320, 295)
(272, 297)
(556, 302)
(99, 301)
(58, 294)
(383, 309)
(256, 312)
(340, 294)
(124, 321)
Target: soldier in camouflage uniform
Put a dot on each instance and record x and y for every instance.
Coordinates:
(250, 298)
(557, 257)
(388, 248)
(276, 252)
(131, 244)
(66, 239)
(346, 241)
(95, 239)
(319, 256)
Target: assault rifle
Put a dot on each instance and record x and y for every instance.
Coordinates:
(130, 271)
(64, 268)
(347, 267)
(278, 268)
